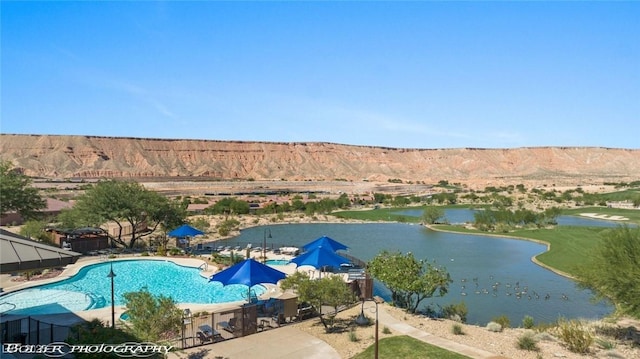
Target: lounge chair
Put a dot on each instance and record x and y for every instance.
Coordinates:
(229, 326)
(207, 334)
(204, 338)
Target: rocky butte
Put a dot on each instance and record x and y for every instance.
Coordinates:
(151, 159)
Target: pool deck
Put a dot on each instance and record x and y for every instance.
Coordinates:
(104, 314)
(284, 342)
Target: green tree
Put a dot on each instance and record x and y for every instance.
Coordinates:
(36, 230)
(613, 270)
(343, 201)
(432, 215)
(170, 215)
(297, 205)
(379, 197)
(124, 202)
(225, 227)
(229, 206)
(152, 318)
(17, 194)
(409, 280)
(327, 291)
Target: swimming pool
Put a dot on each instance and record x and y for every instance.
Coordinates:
(277, 262)
(91, 288)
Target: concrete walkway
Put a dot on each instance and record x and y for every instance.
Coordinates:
(285, 342)
(291, 343)
(385, 319)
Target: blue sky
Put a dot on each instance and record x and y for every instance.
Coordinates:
(393, 74)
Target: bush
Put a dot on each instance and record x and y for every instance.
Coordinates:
(577, 338)
(353, 337)
(605, 344)
(386, 330)
(528, 342)
(455, 312)
(528, 322)
(503, 320)
(494, 327)
(457, 329)
(162, 251)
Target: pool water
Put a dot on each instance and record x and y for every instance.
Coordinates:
(91, 288)
(277, 262)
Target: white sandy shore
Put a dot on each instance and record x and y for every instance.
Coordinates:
(604, 216)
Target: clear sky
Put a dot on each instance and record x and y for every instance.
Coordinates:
(395, 74)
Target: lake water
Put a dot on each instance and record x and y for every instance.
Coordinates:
(488, 272)
(458, 216)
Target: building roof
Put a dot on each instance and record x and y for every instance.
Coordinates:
(18, 254)
(54, 205)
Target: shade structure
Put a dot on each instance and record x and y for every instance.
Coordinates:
(184, 231)
(320, 257)
(18, 253)
(325, 242)
(248, 272)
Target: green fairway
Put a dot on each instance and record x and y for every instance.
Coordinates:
(407, 347)
(632, 214)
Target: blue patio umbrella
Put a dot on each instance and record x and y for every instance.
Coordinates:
(325, 242)
(184, 231)
(249, 272)
(320, 257)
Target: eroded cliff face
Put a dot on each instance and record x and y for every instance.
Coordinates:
(89, 157)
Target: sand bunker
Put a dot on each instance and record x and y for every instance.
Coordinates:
(604, 216)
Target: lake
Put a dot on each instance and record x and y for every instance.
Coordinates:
(460, 215)
(494, 276)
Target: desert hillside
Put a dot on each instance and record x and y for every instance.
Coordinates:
(62, 157)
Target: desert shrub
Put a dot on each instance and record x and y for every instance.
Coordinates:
(575, 335)
(545, 336)
(353, 337)
(457, 329)
(386, 330)
(544, 327)
(528, 342)
(605, 344)
(457, 312)
(528, 322)
(494, 327)
(503, 320)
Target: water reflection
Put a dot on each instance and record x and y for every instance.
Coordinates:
(492, 275)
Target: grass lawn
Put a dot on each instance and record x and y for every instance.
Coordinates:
(407, 347)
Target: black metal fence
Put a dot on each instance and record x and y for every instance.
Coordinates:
(28, 330)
